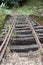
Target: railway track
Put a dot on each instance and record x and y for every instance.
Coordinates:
(27, 35)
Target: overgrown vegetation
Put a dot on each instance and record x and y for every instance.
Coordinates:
(3, 13)
(32, 7)
(10, 3)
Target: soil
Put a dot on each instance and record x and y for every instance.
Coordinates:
(32, 58)
(38, 19)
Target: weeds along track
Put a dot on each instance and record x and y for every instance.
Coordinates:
(24, 35)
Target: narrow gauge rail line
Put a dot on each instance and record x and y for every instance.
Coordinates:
(6, 40)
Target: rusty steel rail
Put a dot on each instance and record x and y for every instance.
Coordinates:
(6, 40)
(34, 34)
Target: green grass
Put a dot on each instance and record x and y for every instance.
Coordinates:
(32, 7)
(3, 13)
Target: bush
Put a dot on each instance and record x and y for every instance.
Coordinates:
(11, 3)
(3, 13)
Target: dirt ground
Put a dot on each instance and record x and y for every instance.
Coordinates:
(38, 19)
(32, 58)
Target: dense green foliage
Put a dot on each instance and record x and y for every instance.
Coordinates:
(32, 7)
(9, 3)
(3, 13)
